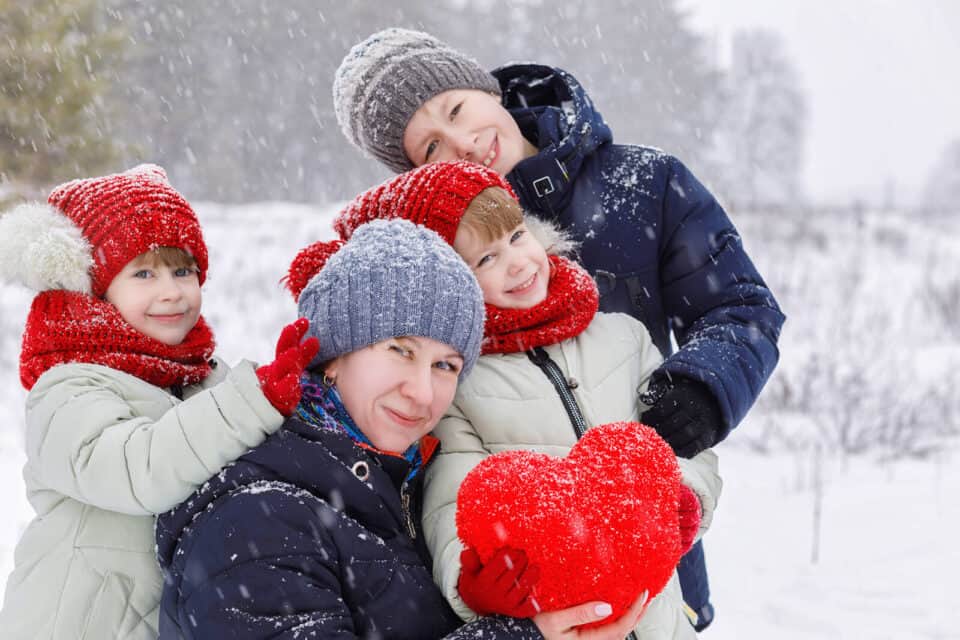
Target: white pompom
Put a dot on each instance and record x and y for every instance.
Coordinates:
(43, 249)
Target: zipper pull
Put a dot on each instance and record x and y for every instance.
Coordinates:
(405, 508)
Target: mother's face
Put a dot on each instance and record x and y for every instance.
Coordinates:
(398, 389)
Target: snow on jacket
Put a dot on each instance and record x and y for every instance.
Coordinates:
(659, 245)
(507, 403)
(105, 452)
(308, 535)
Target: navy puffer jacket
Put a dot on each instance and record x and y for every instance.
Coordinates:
(306, 536)
(659, 245)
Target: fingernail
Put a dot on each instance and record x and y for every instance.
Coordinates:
(645, 595)
(603, 609)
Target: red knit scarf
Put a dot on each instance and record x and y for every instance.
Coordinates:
(67, 326)
(572, 301)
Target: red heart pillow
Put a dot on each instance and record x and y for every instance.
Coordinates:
(601, 523)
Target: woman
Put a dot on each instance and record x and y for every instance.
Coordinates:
(316, 533)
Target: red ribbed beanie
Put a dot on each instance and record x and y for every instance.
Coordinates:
(435, 196)
(126, 214)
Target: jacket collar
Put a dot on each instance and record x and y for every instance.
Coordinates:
(556, 114)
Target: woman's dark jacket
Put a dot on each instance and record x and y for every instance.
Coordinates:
(659, 245)
(292, 542)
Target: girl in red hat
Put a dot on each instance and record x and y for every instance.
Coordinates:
(128, 412)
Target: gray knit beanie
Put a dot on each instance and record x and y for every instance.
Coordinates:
(384, 80)
(391, 279)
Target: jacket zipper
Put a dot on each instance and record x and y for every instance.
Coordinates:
(405, 508)
(550, 369)
(541, 358)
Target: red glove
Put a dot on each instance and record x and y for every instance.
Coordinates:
(280, 380)
(690, 512)
(501, 586)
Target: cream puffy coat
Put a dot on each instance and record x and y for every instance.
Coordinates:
(105, 452)
(508, 403)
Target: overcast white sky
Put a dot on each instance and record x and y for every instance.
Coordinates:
(882, 79)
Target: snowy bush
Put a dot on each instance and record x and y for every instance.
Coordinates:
(870, 350)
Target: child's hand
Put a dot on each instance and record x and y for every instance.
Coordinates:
(690, 513)
(280, 380)
(501, 586)
(686, 415)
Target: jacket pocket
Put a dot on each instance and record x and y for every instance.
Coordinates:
(109, 608)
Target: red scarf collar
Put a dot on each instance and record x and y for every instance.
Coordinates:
(67, 326)
(572, 301)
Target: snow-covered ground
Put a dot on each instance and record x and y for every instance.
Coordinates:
(869, 362)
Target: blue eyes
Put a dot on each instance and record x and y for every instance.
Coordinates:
(447, 366)
(182, 272)
(513, 238)
(443, 365)
(433, 145)
(401, 350)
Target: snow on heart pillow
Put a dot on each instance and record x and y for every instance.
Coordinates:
(601, 523)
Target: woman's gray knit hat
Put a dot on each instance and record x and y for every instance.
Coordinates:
(384, 80)
(391, 279)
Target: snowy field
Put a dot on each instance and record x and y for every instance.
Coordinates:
(839, 505)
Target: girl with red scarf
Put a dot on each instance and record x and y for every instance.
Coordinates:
(128, 413)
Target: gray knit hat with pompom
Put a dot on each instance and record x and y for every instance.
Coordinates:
(384, 80)
(392, 279)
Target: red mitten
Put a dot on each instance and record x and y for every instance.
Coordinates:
(501, 586)
(280, 380)
(690, 512)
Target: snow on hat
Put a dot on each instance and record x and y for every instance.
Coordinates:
(435, 195)
(91, 228)
(383, 80)
(391, 279)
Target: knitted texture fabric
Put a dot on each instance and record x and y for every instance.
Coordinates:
(600, 524)
(391, 279)
(126, 214)
(435, 195)
(68, 326)
(383, 80)
(571, 303)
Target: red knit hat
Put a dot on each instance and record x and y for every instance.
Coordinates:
(435, 195)
(127, 214)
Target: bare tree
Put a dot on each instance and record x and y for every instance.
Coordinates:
(942, 192)
(762, 129)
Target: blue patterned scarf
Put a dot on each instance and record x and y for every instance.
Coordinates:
(321, 406)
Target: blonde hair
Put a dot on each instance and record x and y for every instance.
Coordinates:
(172, 257)
(494, 213)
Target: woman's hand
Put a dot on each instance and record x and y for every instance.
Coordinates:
(564, 623)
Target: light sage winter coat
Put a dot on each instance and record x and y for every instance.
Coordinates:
(508, 403)
(105, 452)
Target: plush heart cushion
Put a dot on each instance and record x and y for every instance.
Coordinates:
(601, 524)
